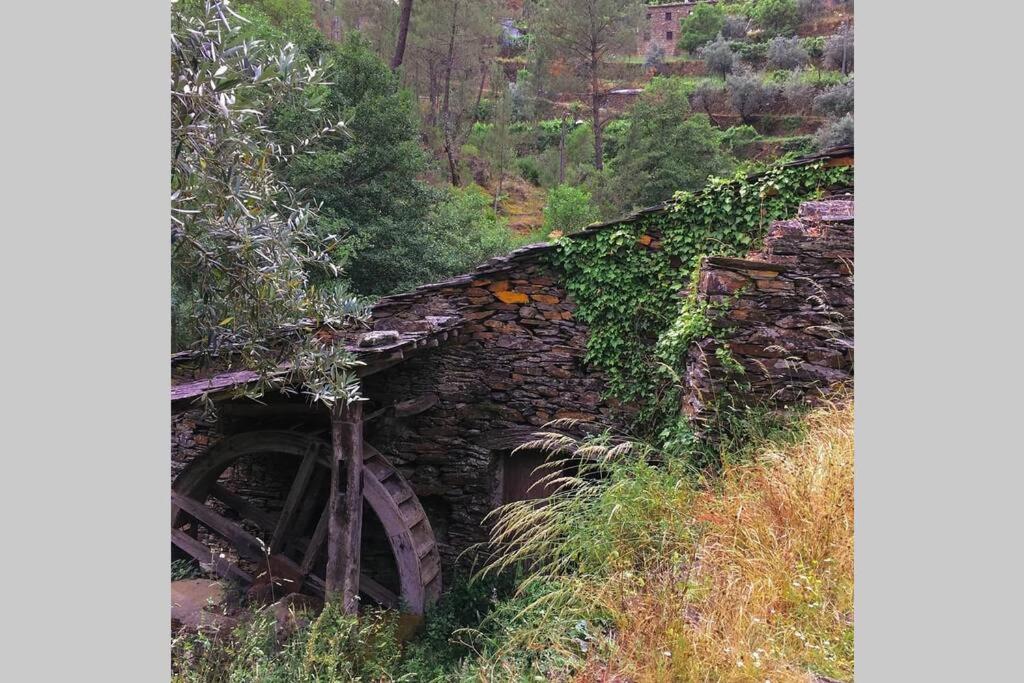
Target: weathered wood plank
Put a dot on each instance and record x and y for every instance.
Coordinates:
(221, 566)
(367, 586)
(244, 542)
(345, 522)
(247, 510)
(295, 497)
(317, 542)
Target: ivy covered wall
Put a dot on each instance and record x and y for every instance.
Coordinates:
(629, 279)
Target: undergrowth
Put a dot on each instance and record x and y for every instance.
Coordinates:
(678, 577)
(640, 567)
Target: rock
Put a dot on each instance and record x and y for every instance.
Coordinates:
(293, 612)
(382, 338)
(199, 604)
(510, 297)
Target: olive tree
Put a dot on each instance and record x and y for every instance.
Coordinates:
(749, 94)
(735, 27)
(839, 51)
(835, 133)
(241, 248)
(836, 100)
(719, 57)
(787, 53)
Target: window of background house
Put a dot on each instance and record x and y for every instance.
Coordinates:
(647, 35)
(668, 16)
(668, 35)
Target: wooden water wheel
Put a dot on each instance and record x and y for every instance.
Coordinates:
(290, 545)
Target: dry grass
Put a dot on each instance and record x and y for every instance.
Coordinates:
(770, 595)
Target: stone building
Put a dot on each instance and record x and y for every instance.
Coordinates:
(660, 26)
(458, 374)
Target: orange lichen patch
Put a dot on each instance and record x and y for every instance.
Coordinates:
(499, 286)
(545, 298)
(644, 239)
(510, 297)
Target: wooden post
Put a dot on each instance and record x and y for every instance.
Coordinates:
(345, 523)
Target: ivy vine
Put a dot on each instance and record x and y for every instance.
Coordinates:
(626, 279)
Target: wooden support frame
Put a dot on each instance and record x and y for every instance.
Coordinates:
(345, 517)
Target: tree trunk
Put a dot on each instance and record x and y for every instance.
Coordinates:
(345, 521)
(446, 113)
(480, 91)
(403, 33)
(561, 148)
(595, 105)
(434, 92)
(598, 132)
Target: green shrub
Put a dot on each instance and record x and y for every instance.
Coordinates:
(464, 231)
(568, 209)
(478, 134)
(740, 139)
(814, 45)
(776, 17)
(667, 149)
(700, 26)
(332, 647)
(752, 52)
(615, 134)
(529, 170)
(799, 145)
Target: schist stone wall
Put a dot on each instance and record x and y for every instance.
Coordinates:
(516, 365)
(789, 312)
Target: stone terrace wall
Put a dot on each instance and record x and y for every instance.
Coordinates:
(516, 365)
(790, 315)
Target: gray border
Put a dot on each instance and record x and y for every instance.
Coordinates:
(86, 286)
(937, 591)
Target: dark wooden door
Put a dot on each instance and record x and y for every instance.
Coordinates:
(520, 475)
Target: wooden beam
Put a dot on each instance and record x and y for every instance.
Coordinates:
(220, 565)
(264, 520)
(244, 542)
(312, 551)
(345, 523)
(295, 497)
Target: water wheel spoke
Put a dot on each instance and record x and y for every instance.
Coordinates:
(245, 509)
(295, 497)
(317, 542)
(244, 542)
(220, 565)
